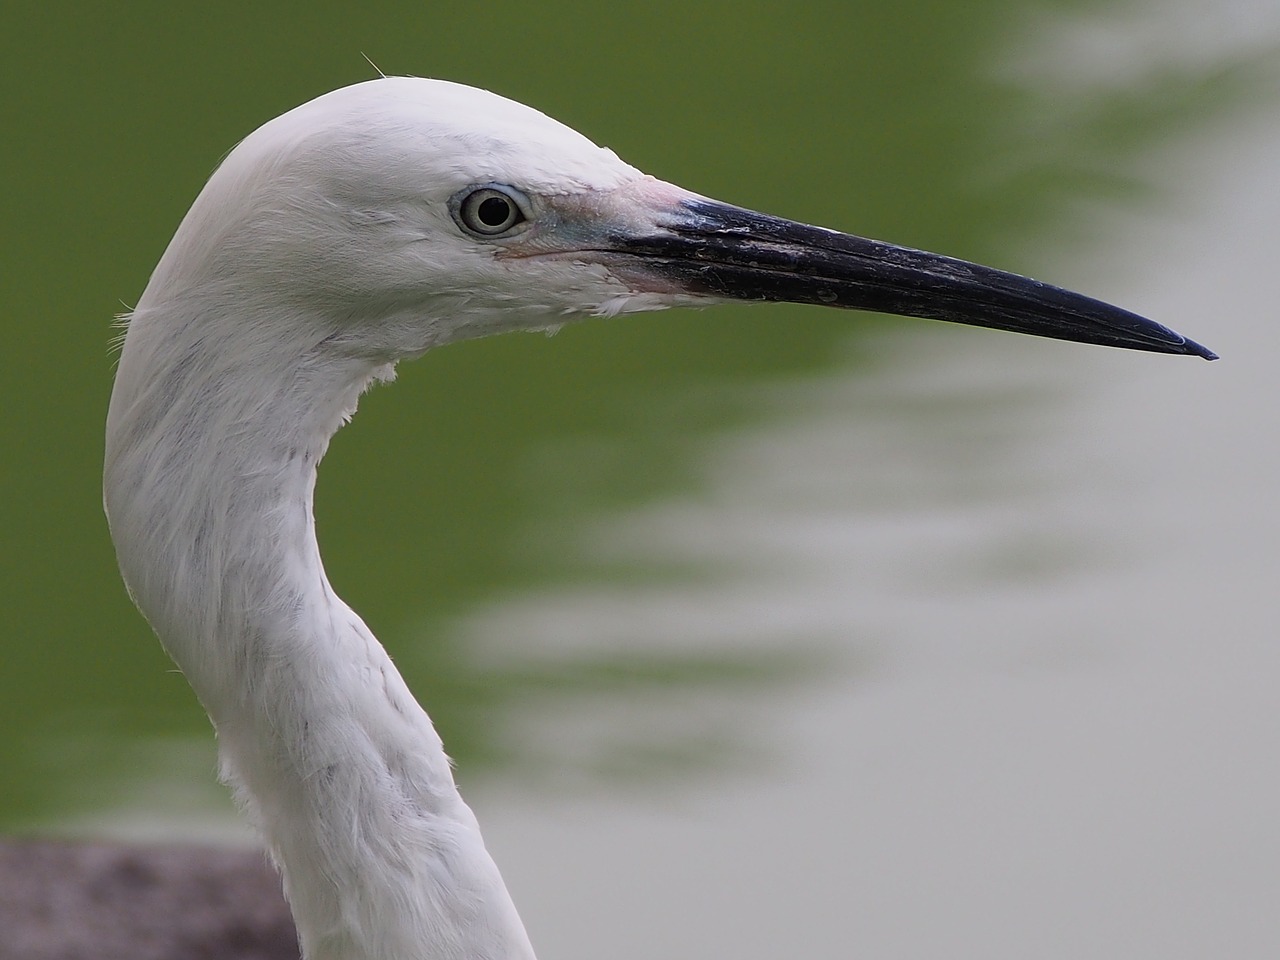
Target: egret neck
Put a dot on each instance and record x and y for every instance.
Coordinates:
(211, 464)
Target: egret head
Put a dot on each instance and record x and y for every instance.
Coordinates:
(398, 214)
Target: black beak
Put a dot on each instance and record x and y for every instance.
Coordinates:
(719, 250)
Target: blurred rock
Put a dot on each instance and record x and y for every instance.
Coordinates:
(99, 901)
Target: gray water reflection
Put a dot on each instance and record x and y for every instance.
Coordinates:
(1065, 744)
(1062, 740)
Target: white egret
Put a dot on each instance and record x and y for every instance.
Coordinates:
(358, 230)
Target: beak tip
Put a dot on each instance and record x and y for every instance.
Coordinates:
(1195, 349)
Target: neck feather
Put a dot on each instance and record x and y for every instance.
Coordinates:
(210, 467)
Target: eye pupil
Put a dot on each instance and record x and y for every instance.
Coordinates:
(494, 211)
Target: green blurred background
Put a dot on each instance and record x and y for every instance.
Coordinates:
(472, 477)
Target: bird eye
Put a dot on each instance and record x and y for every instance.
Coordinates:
(490, 211)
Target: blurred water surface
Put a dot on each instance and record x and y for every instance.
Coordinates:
(801, 631)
